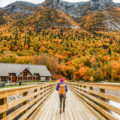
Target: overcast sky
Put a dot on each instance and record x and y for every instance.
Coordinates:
(6, 2)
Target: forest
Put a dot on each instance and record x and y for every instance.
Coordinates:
(71, 53)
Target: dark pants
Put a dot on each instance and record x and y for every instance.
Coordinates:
(62, 101)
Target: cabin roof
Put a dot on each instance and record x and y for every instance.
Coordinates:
(6, 68)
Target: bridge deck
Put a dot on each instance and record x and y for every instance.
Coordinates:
(75, 109)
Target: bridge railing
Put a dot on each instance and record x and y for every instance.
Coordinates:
(25, 106)
(98, 98)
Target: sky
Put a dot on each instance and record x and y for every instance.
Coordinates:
(3, 3)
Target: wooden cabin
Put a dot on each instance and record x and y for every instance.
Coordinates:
(23, 72)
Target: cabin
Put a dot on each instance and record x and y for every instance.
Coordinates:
(24, 72)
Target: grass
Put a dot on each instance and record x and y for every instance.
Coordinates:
(31, 81)
(23, 83)
(13, 86)
(37, 81)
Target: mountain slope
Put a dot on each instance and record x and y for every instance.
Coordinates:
(102, 20)
(2, 19)
(49, 17)
(76, 10)
(21, 7)
(57, 13)
(44, 18)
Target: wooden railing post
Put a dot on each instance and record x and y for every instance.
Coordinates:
(91, 88)
(44, 91)
(102, 91)
(25, 94)
(2, 102)
(103, 99)
(35, 92)
(97, 101)
(41, 88)
(26, 106)
(85, 88)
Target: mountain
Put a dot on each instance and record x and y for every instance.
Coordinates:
(103, 20)
(91, 16)
(117, 4)
(101, 4)
(71, 38)
(78, 9)
(21, 7)
(42, 18)
(2, 19)
(74, 9)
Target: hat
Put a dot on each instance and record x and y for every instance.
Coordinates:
(61, 80)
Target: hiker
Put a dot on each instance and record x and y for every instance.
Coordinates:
(62, 88)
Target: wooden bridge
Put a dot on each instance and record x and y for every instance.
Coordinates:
(84, 101)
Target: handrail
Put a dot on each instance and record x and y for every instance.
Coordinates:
(95, 96)
(21, 109)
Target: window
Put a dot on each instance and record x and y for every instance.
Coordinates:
(25, 73)
(25, 78)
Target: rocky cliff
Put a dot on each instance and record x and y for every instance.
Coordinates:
(21, 7)
(97, 14)
(78, 9)
(74, 9)
(100, 4)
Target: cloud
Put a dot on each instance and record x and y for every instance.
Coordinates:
(117, 1)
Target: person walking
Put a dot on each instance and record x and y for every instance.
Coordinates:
(62, 88)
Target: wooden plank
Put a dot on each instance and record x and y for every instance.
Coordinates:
(106, 96)
(21, 109)
(6, 107)
(14, 91)
(38, 109)
(99, 116)
(33, 108)
(82, 111)
(107, 114)
(101, 102)
(75, 110)
(55, 113)
(98, 85)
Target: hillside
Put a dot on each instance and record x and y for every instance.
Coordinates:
(75, 10)
(90, 16)
(102, 20)
(25, 8)
(2, 19)
(65, 51)
(48, 17)
(42, 18)
(81, 47)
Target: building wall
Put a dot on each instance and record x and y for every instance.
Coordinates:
(3, 78)
(25, 75)
(46, 78)
(12, 77)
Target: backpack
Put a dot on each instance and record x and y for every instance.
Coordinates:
(62, 89)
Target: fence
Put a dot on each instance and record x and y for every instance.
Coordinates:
(97, 96)
(26, 106)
